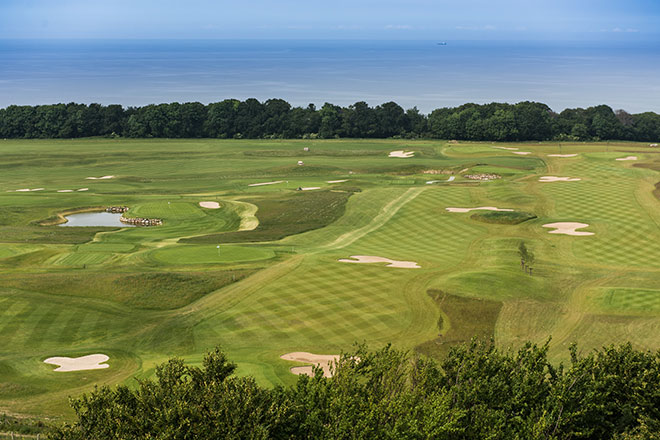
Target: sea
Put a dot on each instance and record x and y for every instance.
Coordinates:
(422, 74)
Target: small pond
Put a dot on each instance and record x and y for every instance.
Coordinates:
(95, 219)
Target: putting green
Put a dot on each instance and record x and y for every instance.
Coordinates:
(209, 254)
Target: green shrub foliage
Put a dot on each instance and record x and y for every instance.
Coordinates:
(476, 392)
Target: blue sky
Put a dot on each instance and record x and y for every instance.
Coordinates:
(332, 19)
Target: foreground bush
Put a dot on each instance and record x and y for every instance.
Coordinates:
(476, 392)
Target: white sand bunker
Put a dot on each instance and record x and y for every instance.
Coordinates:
(627, 158)
(506, 148)
(64, 190)
(28, 189)
(266, 183)
(451, 179)
(100, 178)
(83, 189)
(402, 154)
(210, 205)
(562, 155)
(310, 188)
(362, 259)
(481, 208)
(337, 181)
(568, 228)
(558, 179)
(89, 362)
(325, 361)
(522, 153)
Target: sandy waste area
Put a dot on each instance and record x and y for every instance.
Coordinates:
(325, 361)
(100, 178)
(627, 158)
(402, 154)
(568, 228)
(558, 179)
(266, 183)
(451, 179)
(89, 362)
(365, 259)
(481, 208)
(210, 205)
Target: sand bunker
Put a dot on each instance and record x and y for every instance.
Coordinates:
(325, 361)
(28, 189)
(64, 190)
(558, 179)
(89, 362)
(506, 148)
(100, 178)
(481, 208)
(627, 158)
(266, 183)
(451, 179)
(210, 205)
(522, 153)
(361, 259)
(568, 228)
(562, 155)
(310, 188)
(83, 189)
(337, 181)
(402, 154)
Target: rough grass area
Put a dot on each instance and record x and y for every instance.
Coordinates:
(314, 152)
(157, 290)
(503, 217)
(48, 234)
(16, 427)
(284, 216)
(461, 320)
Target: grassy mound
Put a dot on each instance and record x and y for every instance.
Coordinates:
(503, 217)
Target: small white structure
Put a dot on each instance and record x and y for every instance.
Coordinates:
(653, 145)
(300, 162)
(306, 149)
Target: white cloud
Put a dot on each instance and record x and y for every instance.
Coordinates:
(398, 26)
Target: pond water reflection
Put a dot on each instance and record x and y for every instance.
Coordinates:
(95, 219)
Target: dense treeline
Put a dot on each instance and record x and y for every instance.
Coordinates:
(476, 392)
(276, 118)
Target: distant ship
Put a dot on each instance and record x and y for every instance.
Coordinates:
(442, 43)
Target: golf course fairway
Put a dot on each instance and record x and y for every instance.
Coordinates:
(248, 261)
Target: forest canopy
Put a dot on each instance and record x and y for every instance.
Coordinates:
(276, 118)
